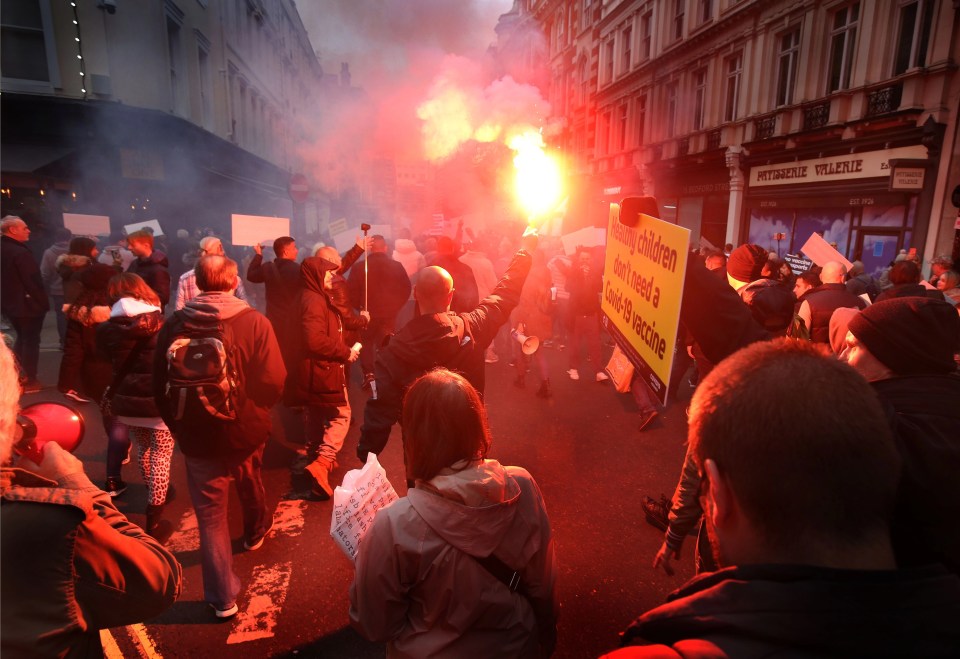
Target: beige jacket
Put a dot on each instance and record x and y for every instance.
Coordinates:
(418, 589)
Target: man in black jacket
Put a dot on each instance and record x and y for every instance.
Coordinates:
(439, 337)
(281, 279)
(23, 300)
(217, 450)
(798, 493)
(388, 291)
(905, 348)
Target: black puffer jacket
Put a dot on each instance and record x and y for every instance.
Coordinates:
(124, 332)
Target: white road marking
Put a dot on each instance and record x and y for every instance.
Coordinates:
(267, 592)
(110, 648)
(148, 650)
(288, 518)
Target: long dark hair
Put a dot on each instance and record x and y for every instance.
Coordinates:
(444, 422)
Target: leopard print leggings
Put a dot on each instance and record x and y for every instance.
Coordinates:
(156, 449)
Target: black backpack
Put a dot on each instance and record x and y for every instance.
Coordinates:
(203, 382)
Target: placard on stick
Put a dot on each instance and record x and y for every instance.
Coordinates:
(87, 225)
(642, 287)
(820, 251)
(149, 224)
(256, 229)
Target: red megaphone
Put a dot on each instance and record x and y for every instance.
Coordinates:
(45, 422)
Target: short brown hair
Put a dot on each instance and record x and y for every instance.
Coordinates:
(281, 243)
(129, 284)
(444, 422)
(141, 236)
(802, 440)
(216, 274)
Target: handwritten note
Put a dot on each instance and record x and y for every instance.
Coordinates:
(355, 503)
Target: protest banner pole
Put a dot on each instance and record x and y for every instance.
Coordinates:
(366, 267)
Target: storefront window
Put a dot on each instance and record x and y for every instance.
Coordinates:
(765, 224)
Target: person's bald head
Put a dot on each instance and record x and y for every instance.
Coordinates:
(434, 290)
(211, 246)
(833, 272)
(330, 253)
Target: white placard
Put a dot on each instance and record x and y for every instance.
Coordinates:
(136, 226)
(87, 225)
(585, 237)
(256, 229)
(385, 230)
(820, 252)
(345, 239)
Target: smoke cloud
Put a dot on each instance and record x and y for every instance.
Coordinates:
(426, 88)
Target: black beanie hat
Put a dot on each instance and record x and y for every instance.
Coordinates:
(746, 263)
(82, 246)
(910, 335)
(97, 276)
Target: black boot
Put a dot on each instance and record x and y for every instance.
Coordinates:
(158, 528)
(521, 381)
(544, 390)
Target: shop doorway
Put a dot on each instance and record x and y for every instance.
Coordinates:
(877, 249)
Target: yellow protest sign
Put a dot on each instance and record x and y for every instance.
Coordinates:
(642, 289)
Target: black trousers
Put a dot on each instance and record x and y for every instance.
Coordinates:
(27, 345)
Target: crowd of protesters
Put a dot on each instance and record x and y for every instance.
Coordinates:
(829, 508)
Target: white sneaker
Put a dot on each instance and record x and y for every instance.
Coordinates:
(227, 612)
(574, 375)
(72, 393)
(602, 377)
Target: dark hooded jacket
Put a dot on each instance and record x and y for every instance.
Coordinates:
(154, 270)
(453, 340)
(320, 376)
(803, 611)
(132, 328)
(260, 369)
(83, 368)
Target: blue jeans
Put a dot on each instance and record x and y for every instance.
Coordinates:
(209, 483)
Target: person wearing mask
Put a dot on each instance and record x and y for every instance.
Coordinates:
(320, 381)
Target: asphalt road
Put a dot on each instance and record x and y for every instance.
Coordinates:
(583, 448)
